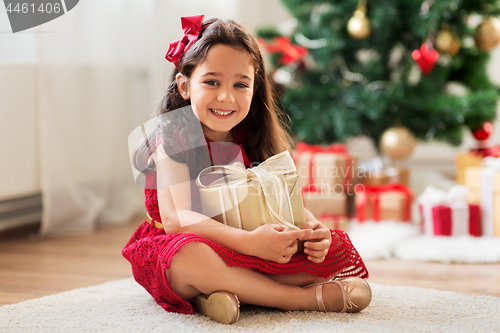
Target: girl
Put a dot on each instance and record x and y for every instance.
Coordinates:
(220, 99)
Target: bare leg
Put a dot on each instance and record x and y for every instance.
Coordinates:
(196, 269)
(301, 279)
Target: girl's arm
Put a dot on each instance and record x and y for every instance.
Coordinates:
(174, 201)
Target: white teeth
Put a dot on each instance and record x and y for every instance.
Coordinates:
(220, 113)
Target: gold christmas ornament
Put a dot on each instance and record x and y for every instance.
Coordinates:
(397, 142)
(447, 42)
(359, 26)
(488, 34)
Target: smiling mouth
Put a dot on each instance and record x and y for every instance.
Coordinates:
(221, 113)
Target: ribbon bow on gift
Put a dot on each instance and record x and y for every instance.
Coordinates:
(455, 198)
(491, 162)
(274, 188)
(436, 196)
(192, 27)
(493, 151)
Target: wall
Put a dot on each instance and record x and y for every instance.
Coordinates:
(19, 164)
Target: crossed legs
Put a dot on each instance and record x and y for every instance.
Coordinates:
(198, 269)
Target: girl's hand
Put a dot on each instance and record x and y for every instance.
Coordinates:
(271, 242)
(318, 242)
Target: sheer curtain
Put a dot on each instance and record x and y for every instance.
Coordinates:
(99, 72)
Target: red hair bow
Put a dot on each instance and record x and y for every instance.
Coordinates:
(192, 27)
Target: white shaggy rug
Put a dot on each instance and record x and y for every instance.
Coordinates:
(464, 249)
(404, 241)
(124, 306)
(379, 240)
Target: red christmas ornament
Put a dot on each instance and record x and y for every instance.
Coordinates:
(425, 58)
(484, 132)
(290, 52)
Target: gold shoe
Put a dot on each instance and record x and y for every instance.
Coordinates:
(356, 293)
(221, 306)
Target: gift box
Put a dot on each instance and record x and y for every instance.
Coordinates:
(318, 203)
(484, 185)
(464, 161)
(335, 221)
(248, 198)
(388, 202)
(473, 158)
(371, 171)
(399, 175)
(374, 178)
(390, 175)
(329, 169)
(448, 213)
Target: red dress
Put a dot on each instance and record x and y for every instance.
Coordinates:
(150, 251)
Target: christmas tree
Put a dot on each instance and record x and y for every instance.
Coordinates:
(354, 67)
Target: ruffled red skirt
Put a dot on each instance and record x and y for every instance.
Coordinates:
(150, 251)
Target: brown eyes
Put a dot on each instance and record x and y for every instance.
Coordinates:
(215, 83)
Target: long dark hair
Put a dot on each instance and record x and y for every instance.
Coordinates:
(265, 126)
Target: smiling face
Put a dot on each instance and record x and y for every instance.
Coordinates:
(221, 90)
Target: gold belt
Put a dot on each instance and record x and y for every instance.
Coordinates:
(154, 223)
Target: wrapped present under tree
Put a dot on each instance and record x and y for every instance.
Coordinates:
(448, 213)
(388, 202)
(325, 169)
(484, 185)
(473, 158)
(318, 203)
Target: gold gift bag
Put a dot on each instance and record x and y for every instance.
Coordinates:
(248, 198)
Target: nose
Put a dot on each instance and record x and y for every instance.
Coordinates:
(225, 95)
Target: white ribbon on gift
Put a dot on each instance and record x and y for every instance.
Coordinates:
(491, 166)
(456, 199)
(268, 174)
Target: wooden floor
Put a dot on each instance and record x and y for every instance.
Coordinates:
(31, 268)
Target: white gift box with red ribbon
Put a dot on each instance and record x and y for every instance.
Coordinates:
(455, 199)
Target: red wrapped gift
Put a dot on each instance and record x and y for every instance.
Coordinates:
(384, 202)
